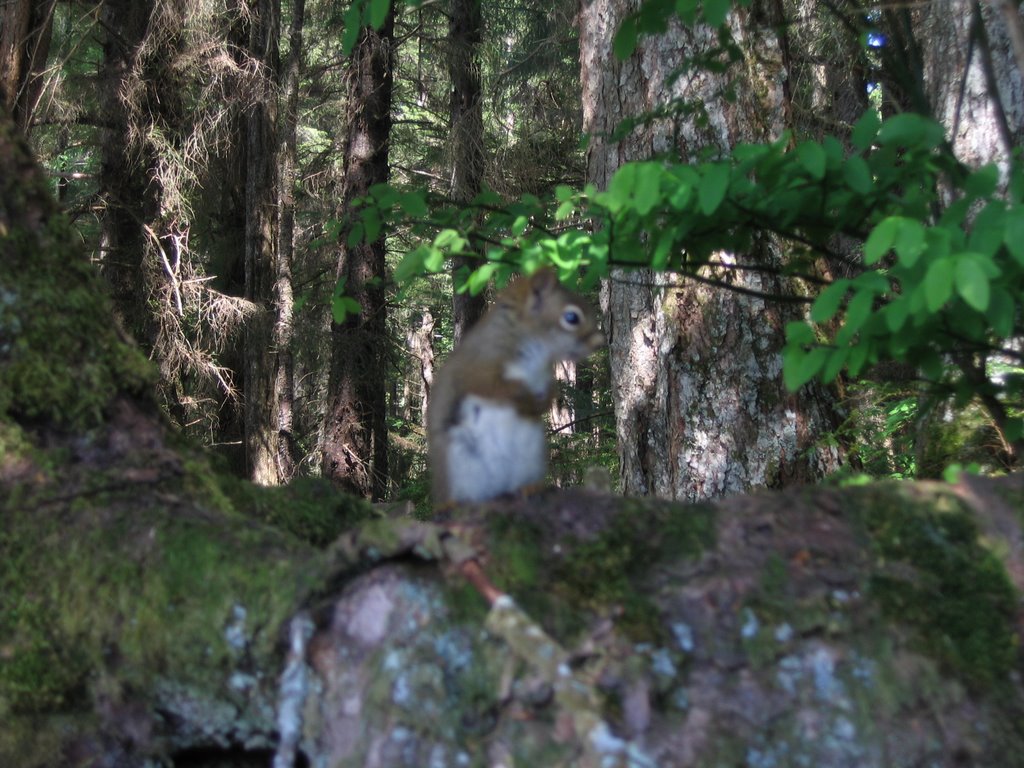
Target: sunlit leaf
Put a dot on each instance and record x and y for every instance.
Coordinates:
(971, 283)
(881, 239)
(828, 301)
(865, 130)
(938, 283)
(799, 367)
(713, 186)
(812, 158)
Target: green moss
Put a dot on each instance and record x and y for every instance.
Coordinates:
(149, 591)
(62, 357)
(309, 508)
(957, 597)
(564, 582)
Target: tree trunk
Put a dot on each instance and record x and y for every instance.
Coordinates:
(264, 278)
(972, 78)
(355, 431)
(25, 30)
(420, 341)
(129, 195)
(283, 330)
(468, 162)
(700, 406)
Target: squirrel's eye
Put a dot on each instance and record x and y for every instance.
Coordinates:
(571, 317)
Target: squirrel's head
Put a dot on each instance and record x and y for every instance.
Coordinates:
(560, 319)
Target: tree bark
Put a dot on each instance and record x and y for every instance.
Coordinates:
(972, 79)
(129, 194)
(283, 326)
(25, 30)
(468, 162)
(700, 406)
(355, 433)
(264, 278)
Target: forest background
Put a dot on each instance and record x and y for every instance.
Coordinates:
(806, 216)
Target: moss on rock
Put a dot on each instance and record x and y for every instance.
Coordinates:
(932, 572)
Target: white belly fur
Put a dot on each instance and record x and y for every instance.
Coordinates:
(493, 450)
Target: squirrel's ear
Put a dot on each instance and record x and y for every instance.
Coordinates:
(541, 282)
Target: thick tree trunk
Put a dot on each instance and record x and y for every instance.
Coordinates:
(25, 30)
(355, 433)
(700, 406)
(972, 78)
(263, 268)
(468, 162)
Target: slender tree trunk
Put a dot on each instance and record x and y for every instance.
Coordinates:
(283, 330)
(700, 407)
(263, 269)
(25, 30)
(420, 341)
(128, 194)
(465, 33)
(355, 433)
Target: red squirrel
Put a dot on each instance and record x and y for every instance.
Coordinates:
(485, 431)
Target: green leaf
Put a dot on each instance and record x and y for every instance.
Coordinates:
(479, 278)
(1014, 429)
(895, 314)
(433, 262)
(620, 188)
(972, 283)
(687, 11)
(865, 130)
(881, 239)
(938, 283)
(371, 223)
(799, 367)
(413, 204)
(857, 175)
(564, 210)
(857, 312)
(647, 187)
(1013, 235)
(798, 332)
(450, 239)
(713, 186)
(625, 39)
(355, 235)
(663, 250)
(812, 158)
(342, 307)
(834, 153)
(834, 364)
(828, 301)
(379, 12)
(410, 265)
(988, 229)
(353, 23)
(982, 183)
(859, 355)
(715, 11)
(1002, 312)
(910, 130)
(909, 243)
